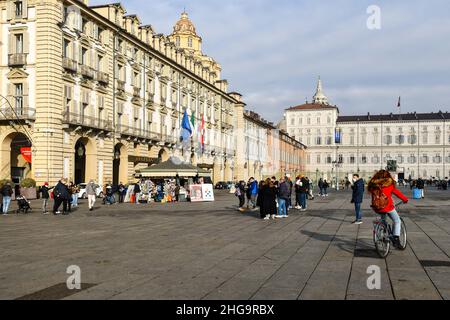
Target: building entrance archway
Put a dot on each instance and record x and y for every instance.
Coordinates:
(15, 157)
(120, 164)
(85, 161)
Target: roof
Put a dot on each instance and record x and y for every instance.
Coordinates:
(396, 117)
(312, 106)
(170, 169)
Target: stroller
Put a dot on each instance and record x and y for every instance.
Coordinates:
(24, 204)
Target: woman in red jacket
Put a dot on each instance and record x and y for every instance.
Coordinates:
(383, 186)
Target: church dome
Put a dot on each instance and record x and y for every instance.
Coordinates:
(184, 25)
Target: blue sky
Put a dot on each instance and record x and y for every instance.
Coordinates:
(272, 52)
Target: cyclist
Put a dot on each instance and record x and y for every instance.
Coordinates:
(382, 187)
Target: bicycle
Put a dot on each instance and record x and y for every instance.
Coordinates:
(383, 235)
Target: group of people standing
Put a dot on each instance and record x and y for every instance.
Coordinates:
(65, 193)
(274, 197)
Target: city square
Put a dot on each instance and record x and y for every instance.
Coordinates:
(203, 251)
(224, 151)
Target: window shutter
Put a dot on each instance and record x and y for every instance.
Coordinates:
(12, 44)
(26, 42)
(25, 95)
(25, 9)
(9, 10)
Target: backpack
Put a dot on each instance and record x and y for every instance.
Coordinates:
(379, 200)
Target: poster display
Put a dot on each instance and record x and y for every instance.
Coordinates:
(195, 192)
(208, 192)
(202, 193)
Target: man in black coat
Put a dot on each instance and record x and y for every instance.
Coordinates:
(357, 197)
(61, 196)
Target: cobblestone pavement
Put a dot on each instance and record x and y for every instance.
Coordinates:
(211, 251)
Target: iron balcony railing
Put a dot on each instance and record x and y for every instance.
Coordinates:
(17, 113)
(17, 59)
(87, 121)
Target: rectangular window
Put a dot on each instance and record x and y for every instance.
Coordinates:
(84, 56)
(19, 42)
(18, 98)
(66, 48)
(18, 8)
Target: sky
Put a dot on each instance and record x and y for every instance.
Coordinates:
(273, 51)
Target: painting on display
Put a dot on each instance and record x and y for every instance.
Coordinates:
(196, 193)
(208, 192)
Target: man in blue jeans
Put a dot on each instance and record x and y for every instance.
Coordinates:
(283, 196)
(357, 197)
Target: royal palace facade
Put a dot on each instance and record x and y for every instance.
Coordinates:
(88, 92)
(411, 145)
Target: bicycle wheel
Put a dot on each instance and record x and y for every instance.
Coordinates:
(381, 240)
(403, 236)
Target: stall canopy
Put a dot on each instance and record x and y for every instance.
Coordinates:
(170, 169)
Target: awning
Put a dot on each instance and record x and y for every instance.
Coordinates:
(170, 169)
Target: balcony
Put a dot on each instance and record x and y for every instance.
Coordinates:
(17, 59)
(70, 65)
(77, 119)
(102, 77)
(17, 113)
(87, 72)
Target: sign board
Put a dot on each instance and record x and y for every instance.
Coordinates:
(201, 193)
(26, 153)
(208, 192)
(195, 192)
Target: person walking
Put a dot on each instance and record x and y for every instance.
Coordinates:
(7, 193)
(357, 197)
(382, 187)
(75, 192)
(325, 187)
(45, 194)
(283, 196)
(320, 185)
(91, 191)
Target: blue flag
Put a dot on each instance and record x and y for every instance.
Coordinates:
(186, 128)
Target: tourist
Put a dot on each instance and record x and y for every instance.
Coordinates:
(320, 185)
(267, 197)
(310, 189)
(260, 198)
(297, 193)
(302, 189)
(75, 194)
(45, 194)
(91, 191)
(253, 191)
(382, 187)
(70, 190)
(240, 193)
(61, 196)
(137, 192)
(357, 197)
(325, 187)
(420, 184)
(291, 186)
(7, 193)
(283, 196)
(122, 192)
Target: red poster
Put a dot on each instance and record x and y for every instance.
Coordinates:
(26, 153)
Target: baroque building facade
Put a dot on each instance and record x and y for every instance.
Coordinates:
(417, 144)
(89, 92)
